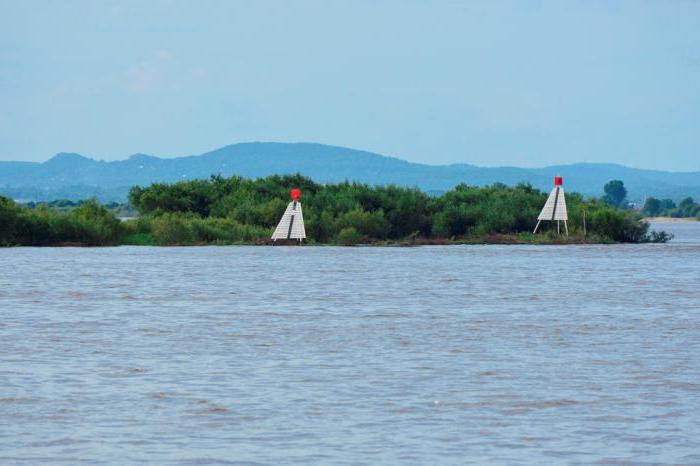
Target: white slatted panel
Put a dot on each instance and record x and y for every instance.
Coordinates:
(549, 212)
(292, 216)
(298, 229)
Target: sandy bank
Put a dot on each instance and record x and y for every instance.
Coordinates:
(669, 219)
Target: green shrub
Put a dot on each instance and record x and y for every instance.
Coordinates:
(226, 231)
(619, 226)
(372, 224)
(88, 224)
(171, 230)
(92, 224)
(455, 220)
(320, 226)
(349, 236)
(8, 221)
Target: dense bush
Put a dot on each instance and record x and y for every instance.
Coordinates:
(622, 228)
(89, 224)
(469, 210)
(349, 236)
(237, 210)
(8, 220)
(372, 224)
(374, 212)
(687, 208)
(171, 229)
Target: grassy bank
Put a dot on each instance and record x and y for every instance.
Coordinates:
(241, 211)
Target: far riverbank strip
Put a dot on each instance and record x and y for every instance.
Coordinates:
(670, 219)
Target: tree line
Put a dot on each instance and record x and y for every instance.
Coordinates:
(88, 224)
(616, 195)
(687, 208)
(237, 210)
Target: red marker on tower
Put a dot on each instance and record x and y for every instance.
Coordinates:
(555, 207)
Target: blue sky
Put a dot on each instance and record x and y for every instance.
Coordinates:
(527, 83)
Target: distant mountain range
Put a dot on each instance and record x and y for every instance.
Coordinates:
(72, 176)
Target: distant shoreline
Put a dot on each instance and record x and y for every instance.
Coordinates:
(670, 219)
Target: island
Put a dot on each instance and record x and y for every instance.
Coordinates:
(236, 210)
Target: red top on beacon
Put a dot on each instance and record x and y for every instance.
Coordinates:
(558, 181)
(296, 194)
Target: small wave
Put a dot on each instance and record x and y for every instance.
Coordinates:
(610, 418)
(526, 406)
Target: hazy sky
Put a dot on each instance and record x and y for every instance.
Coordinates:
(526, 83)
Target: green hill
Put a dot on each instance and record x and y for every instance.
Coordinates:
(73, 176)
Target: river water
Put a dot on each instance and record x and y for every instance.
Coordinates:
(324, 355)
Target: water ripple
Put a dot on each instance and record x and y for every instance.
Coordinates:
(431, 355)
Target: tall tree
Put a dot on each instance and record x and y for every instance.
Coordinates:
(615, 193)
(652, 207)
(667, 204)
(688, 208)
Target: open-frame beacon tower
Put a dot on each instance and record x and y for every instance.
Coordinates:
(291, 226)
(555, 207)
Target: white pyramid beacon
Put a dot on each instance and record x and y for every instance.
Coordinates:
(555, 207)
(291, 225)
